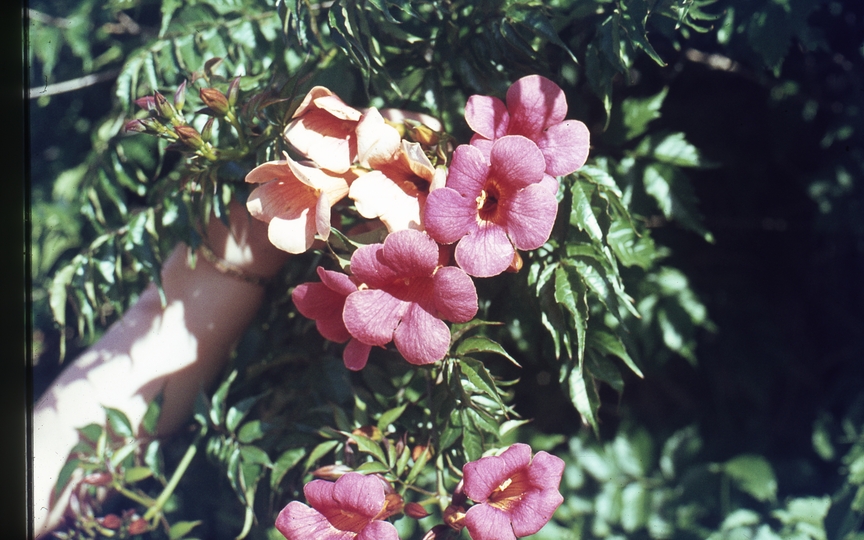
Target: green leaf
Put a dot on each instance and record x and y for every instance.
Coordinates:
(151, 415)
(475, 344)
(639, 112)
(251, 431)
(472, 439)
(217, 402)
(752, 474)
(632, 21)
(675, 150)
(318, 452)
(180, 529)
(583, 394)
(634, 507)
(674, 196)
(371, 467)
(119, 422)
(533, 18)
(457, 330)
(631, 249)
(253, 454)
(136, 474)
(390, 416)
(286, 461)
(57, 301)
(604, 369)
(418, 465)
(239, 411)
(479, 376)
(610, 344)
(582, 214)
(570, 292)
(368, 446)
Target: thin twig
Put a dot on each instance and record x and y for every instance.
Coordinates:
(74, 84)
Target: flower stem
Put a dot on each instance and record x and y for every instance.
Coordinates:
(154, 510)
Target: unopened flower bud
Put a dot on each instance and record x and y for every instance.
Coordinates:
(163, 108)
(424, 135)
(189, 135)
(215, 100)
(415, 510)
(111, 521)
(515, 264)
(454, 517)
(207, 131)
(138, 526)
(331, 472)
(98, 479)
(148, 103)
(180, 97)
(233, 91)
(438, 532)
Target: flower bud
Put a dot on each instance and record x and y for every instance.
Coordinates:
(393, 504)
(454, 517)
(207, 131)
(233, 91)
(148, 103)
(215, 100)
(189, 136)
(415, 510)
(515, 264)
(138, 526)
(424, 135)
(163, 108)
(98, 479)
(111, 521)
(331, 472)
(180, 97)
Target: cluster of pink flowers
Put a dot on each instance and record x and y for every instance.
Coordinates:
(497, 196)
(513, 494)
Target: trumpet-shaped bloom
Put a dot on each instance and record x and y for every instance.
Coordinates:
(395, 190)
(515, 494)
(405, 295)
(295, 200)
(492, 205)
(535, 109)
(348, 509)
(323, 302)
(322, 129)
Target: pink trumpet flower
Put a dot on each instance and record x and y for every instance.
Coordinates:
(535, 109)
(404, 296)
(322, 129)
(492, 206)
(295, 200)
(515, 495)
(351, 508)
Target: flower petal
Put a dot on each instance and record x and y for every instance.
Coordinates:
(293, 234)
(565, 147)
(448, 216)
(550, 182)
(487, 116)
(319, 494)
(534, 103)
(421, 337)
(325, 139)
(377, 141)
(411, 253)
(485, 522)
(266, 172)
(455, 295)
(484, 145)
(359, 494)
(485, 252)
(399, 116)
(379, 530)
(336, 281)
(469, 170)
(372, 315)
(299, 522)
(530, 215)
(517, 456)
(377, 196)
(286, 197)
(534, 510)
(516, 162)
(318, 302)
(356, 354)
(483, 476)
(368, 267)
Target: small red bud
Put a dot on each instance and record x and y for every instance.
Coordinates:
(148, 103)
(98, 479)
(454, 517)
(189, 135)
(215, 100)
(438, 532)
(111, 521)
(163, 108)
(416, 511)
(134, 126)
(207, 131)
(331, 472)
(139, 526)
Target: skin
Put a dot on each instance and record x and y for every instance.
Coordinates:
(177, 350)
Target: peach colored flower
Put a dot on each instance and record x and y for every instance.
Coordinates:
(295, 199)
(322, 129)
(401, 175)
